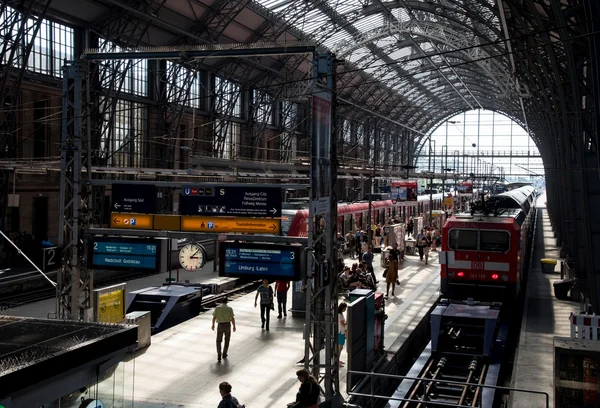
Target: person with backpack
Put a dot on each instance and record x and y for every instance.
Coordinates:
(228, 401)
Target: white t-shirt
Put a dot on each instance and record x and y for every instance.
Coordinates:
(341, 323)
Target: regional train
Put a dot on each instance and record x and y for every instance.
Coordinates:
(484, 252)
(354, 215)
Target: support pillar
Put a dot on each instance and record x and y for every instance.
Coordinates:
(74, 279)
(321, 288)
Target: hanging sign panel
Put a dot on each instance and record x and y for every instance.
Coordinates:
(404, 190)
(253, 260)
(232, 201)
(230, 225)
(134, 198)
(109, 253)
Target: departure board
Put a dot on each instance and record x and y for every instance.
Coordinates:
(127, 254)
(269, 261)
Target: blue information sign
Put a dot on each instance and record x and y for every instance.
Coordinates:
(253, 260)
(127, 261)
(111, 253)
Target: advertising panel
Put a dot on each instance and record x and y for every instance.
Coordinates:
(404, 190)
(321, 146)
(110, 304)
(252, 260)
(465, 187)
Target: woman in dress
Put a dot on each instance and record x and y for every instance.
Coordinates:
(392, 270)
(342, 330)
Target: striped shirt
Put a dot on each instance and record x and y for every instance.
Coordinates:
(266, 294)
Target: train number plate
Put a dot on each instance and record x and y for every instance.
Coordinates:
(476, 265)
(478, 276)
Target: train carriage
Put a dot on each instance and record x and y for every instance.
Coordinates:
(354, 215)
(484, 252)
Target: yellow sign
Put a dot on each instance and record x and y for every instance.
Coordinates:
(448, 201)
(238, 224)
(131, 221)
(111, 307)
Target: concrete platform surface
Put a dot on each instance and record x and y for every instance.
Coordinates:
(180, 368)
(544, 317)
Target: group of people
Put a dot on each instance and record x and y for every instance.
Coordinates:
(224, 317)
(428, 239)
(307, 396)
(357, 276)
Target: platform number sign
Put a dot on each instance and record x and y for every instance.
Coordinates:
(51, 258)
(476, 265)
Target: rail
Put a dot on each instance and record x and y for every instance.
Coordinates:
(434, 380)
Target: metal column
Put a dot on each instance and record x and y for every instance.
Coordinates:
(321, 290)
(74, 280)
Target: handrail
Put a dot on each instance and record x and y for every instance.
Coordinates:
(404, 377)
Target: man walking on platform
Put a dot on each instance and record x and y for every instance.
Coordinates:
(223, 315)
(281, 288)
(266, 301)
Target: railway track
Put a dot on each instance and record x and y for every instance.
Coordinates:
(450, 380)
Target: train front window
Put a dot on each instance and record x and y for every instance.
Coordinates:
(462, 240)
(494, 241)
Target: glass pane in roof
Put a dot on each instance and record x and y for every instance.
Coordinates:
(314, 20)
(272, 4)
(336, 38)
(369, 23)
(401, 14)
(400, 54)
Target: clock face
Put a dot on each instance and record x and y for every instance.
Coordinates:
(192, 257)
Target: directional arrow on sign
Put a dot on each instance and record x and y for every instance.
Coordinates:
(117, 205)
(116, 220)
(273, 211)
(273, 227)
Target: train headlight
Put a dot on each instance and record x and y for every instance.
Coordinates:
(494, 276)
(504, 277)
(451, 274)
(460, 274)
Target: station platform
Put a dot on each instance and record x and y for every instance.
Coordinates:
(544, 317)
(180, 367)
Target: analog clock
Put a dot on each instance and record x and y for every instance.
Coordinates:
(192, 257)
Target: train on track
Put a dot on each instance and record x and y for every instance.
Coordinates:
(355, 215)
(483, 265)
(485, 251)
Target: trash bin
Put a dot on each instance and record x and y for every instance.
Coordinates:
(385, 253)
(410, 246)
(548, 265)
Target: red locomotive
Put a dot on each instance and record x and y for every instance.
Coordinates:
(484, 252)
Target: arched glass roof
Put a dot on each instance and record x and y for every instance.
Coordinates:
(485, 143)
